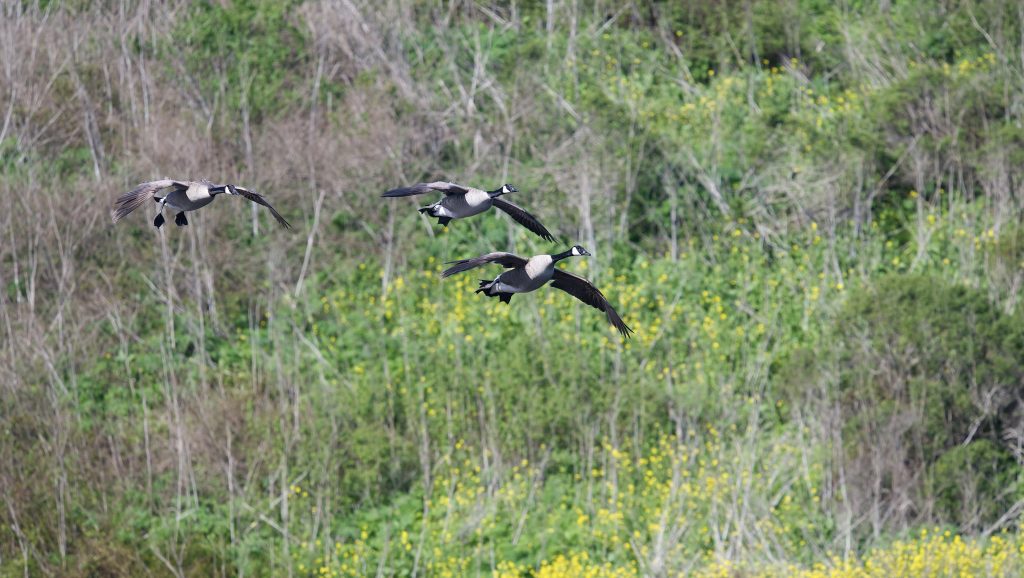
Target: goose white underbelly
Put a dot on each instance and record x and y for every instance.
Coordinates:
(500, 286)
(179, 200)
(462, 206)
(537, 271)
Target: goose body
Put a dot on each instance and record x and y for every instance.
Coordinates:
(460, 202)
(527, 275)
(183, 196)
(460, 206)
(532, 276)
(195, 197)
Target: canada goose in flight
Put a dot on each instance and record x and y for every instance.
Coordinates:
(525, 275)
(184, 196)
(460, 202)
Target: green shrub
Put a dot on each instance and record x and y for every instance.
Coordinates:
(974, 484)
(925, 366)
(248, 49)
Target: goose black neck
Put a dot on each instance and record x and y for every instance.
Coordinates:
(563, 255)
(496, 192)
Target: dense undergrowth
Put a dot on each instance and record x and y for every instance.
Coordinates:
(808, 212)
(468, 436)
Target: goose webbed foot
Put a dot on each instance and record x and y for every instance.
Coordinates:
(443, 221)
(159, 220)
(506, 298)
(180, 219)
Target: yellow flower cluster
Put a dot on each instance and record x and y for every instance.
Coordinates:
(664, 508)
(930, 555)
(576, 565)
(659, 501)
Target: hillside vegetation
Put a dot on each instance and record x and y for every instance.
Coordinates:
(808, 211)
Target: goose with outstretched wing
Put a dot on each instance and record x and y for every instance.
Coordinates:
(526, 275)
(184, 197)
(460, 202)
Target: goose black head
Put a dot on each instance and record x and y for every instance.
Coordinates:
(574, 251)
(503, 190)
(229, 189)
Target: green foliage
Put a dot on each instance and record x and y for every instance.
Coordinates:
(817, 340)
(246, 53)
(8, 154)
(733, 33)
(946, 346)
(924, 367)
(975, 484)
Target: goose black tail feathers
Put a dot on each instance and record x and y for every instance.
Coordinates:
(429, 211)
(485, 285)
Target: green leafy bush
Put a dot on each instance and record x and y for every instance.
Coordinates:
(245, 52)
(928, 382)
(973, 485)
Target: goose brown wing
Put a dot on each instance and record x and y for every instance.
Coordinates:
(421, 188)
(583, 290)
(506, 260)
(261, 200)
(133, 199)
(524, 218)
